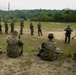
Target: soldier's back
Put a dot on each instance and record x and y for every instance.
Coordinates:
(12, 48)
(49, 51)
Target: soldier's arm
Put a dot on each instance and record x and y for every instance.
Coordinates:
(8, 39)
(20, 43)
(43, 44)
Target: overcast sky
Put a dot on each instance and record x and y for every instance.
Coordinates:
(37, 4)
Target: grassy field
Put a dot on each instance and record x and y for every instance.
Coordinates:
(31, 43)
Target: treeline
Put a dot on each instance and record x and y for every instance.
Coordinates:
(39, 15)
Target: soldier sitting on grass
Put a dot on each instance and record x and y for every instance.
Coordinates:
(48, 50)
(14, 46)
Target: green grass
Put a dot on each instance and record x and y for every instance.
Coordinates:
(31, 43)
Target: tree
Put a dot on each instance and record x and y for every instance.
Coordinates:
(57, 17)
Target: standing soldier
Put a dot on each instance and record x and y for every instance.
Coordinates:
(6, 27)
(12, 27)
(68, 34)
(32, 29)
(21, 26)
(39, 29)
(0, 28)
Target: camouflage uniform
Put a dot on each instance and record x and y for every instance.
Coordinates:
(32, 29)
(14, 47)
(12, 27)
(39, 29)
(68, 34)
(0, 28)
(48, 50)
(6, 27)
(21, 26)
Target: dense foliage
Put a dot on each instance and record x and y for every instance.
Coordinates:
(39, 15)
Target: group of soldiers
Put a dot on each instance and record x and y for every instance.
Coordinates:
(12, 24)
(6, 27)
(21, 28)
(48, 49)
(39, 29)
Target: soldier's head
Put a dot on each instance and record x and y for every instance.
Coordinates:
(68, 26)
(50, 36)
(15, 33)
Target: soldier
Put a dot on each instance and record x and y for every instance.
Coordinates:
(39, 29)
(14, 46)
(32, 29)
(68, 34)
(6, 27)
(12, 27)
(48, 50)
(0, 28)
(21, 26)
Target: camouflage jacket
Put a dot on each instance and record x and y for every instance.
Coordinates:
(49, 50)
(12, 24)
(13, 47)
(6, 25)
(39, 26)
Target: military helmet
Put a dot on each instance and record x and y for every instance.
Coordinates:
(14, 32)
(50, 36)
